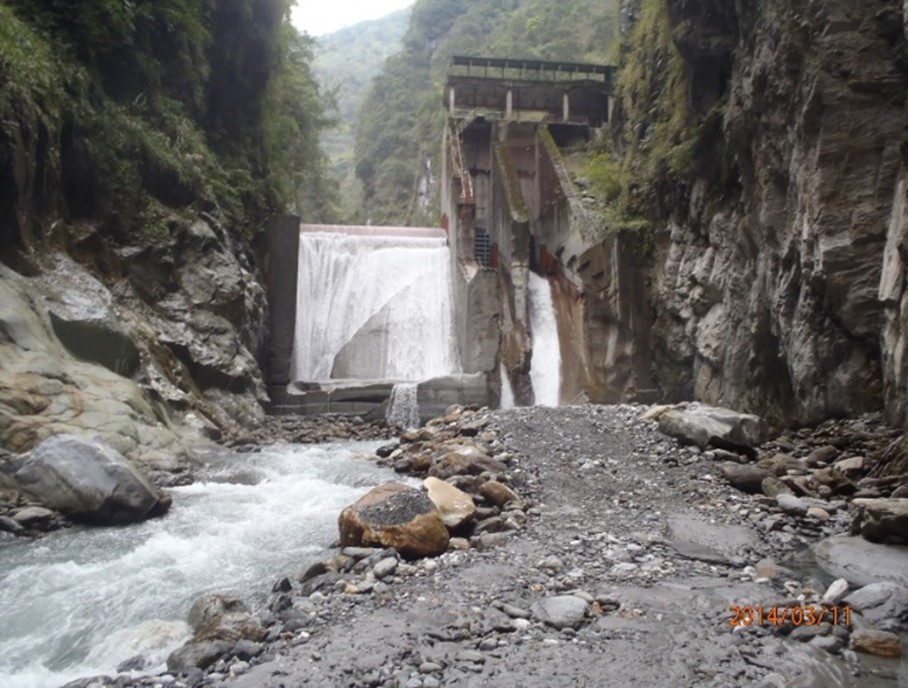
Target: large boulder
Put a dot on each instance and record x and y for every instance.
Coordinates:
(455, 506)
(861, 562)
(707, 426)
(881, 520)
(89, 481)
(394, 515)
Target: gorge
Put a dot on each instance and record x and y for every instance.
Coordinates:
(637, 299)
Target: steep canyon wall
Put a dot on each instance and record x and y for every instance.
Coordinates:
(767, 280)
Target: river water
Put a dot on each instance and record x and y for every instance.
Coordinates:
(79, 602)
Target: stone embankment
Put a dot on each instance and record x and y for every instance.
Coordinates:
(598, 547)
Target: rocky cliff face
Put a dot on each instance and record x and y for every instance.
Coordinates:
(768, 281)
(157, 341)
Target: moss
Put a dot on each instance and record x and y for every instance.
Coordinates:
(652, 86)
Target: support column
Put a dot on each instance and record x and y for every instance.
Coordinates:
(566, 107)
(509, 104)
(451, 100)
(281, 271)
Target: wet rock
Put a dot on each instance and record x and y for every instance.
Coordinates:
(32, 517)
(745, 477)
(208, 607)
(394, 515)
(199, 655)
(818, 513)
(875, 642)
(881, 520)
(89, 481)
(455, 506)
(879, 602)
(561, 611)
(828, 643)
(233, 627)
(10, 525)
(707, 426)
(861, 562)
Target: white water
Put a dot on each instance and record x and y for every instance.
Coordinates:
(373, 308)
(545, 364)
(403, 407)
(507, 392)
(78, 603)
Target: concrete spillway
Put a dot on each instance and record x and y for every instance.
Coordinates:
(373, 303)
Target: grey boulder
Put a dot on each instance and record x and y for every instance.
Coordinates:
(89, 481)
(561, 611)
(707, 426)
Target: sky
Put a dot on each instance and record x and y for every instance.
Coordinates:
(318, 17)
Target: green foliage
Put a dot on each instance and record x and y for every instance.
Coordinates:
(659, 134)
(132, 111)
(345, 63)
(402, 116)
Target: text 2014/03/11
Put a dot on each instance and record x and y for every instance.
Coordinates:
(794, 615)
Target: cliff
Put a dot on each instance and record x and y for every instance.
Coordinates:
(143, 144)
(764, 144)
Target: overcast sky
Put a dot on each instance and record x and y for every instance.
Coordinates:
(317, 17)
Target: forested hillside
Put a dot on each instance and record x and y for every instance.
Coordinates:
(125, 112)
(345, 63)
(401, 119)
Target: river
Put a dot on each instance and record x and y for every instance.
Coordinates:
(81, 601)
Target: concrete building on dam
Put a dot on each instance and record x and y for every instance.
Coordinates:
(512, 210)
(519, 241)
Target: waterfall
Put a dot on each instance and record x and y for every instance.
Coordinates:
(545, 364)
(373, 307)
(403, 407)
(507, 392)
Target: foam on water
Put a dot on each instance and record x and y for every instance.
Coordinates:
(373, 308)
(545, 364)
(80, 602)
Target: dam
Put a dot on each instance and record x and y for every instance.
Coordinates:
(515, 293)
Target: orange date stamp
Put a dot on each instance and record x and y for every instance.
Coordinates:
(794, 615)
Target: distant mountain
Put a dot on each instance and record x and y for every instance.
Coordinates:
(345, 62)
(408, 90)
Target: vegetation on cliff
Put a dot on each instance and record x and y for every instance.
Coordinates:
(402, 118)
(124, 114)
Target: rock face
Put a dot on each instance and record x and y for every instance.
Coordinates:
(166, 336)
(882, 520)
(394, 515)
(89, 481)
(776, 286)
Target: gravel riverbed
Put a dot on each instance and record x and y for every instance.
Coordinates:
(620, 568)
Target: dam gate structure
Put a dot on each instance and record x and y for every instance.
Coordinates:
(523, 291)
(515, 214)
